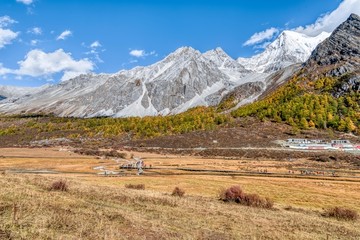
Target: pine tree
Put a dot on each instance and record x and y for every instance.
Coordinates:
(350, 126)
(304, 123)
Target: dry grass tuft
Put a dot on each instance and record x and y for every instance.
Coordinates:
(341, 214)
(59, 185)
(236, 194)
(135, 186)
(178, 192)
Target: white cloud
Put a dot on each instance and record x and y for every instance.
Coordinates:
(35, 31)
(330, 21)
(95, 49)
(261, 36)
(325, 23)
(141, 53)
(41, 64)
(34, 42)
(95, 44)
(65, 34)
(262, 45)
(7, 36)
(4, 71)
(5, 21)
(26, 2)
(137, 53)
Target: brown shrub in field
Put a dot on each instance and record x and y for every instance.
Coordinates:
(178, 192)
(236, 194)
(341, 213)
(135, 186)
(59, 185)
(232, 194)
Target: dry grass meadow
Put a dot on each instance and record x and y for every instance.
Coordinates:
(99, 207)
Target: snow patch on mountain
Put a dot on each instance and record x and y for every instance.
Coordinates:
(15, 92)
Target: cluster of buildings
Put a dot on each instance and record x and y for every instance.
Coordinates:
(318, 144)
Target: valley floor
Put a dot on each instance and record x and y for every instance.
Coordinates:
(101, 207)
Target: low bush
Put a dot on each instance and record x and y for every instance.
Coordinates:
(114, 153)
(135, 186)
(341, 213)
(236, 194)
(92, 152)
(178, 192)
(59, 185)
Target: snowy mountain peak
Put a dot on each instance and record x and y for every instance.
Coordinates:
(289, 39)
(184, 51)
(288, 48)
(222, 60)
(219, 52)
(182, 54)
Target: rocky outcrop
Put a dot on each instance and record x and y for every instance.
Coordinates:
(340, 53)
(347, 84)
(245, 92)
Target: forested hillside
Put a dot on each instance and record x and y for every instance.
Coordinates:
(304, 103)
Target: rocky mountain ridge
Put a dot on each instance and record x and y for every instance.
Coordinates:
(340, 53)
(184, 79)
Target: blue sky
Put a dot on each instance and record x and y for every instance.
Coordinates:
(43, 41)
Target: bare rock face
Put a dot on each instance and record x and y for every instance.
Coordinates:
(340, 53)
(347, 83)
(245, 91)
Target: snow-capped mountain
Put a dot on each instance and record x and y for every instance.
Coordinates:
(289, 48)
(184, 79)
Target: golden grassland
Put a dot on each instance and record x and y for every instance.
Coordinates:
(28, 210)
(97, 207)
(45, 158)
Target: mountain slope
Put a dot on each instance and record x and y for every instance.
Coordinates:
(184, 79)
(289, 48)
(321, 95)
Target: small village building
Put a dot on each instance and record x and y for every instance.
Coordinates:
(340, 141)
(298, 141)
